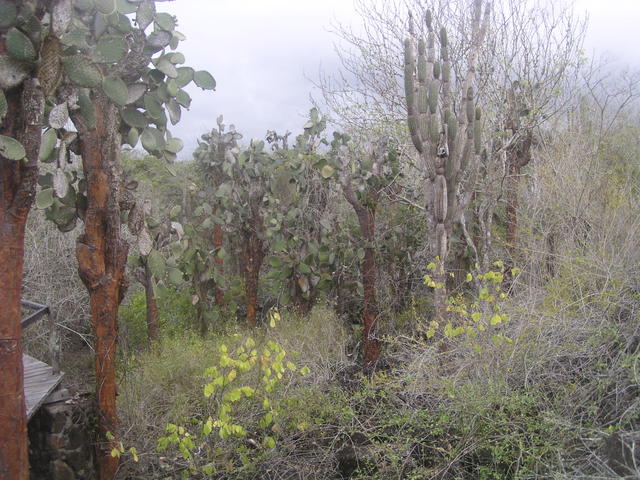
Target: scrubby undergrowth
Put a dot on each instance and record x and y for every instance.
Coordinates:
(552, 403)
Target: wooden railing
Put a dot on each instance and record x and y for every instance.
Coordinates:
(39, 311)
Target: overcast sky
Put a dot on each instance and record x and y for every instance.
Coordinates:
(263, 52)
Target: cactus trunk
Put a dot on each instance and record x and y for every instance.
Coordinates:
(253, 254)
(102, 257)
(17, 189)
(447, 143)
(366, 213)
(219, 262)
(14, 458)
(371, 346)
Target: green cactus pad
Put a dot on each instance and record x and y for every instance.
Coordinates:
(152, 139)
(153, 106)
(116, 89)
(183, 98)
(19, 46)
(126, 7)
(133, 137)
(174, 145)
(82, 72)
(87, 109)
(105, 6)
(11, 148)
(165, 21)
(174, 111)
(134, 118)
(44, 198)
(204, 80)
(8, 14)
(145, 14)
(166, 67)
(185, 75)
(110, 49)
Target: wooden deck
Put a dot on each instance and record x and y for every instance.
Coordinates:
(39, 382)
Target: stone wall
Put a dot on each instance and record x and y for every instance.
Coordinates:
(60, 442)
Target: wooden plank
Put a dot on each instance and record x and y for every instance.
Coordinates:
(39, 382)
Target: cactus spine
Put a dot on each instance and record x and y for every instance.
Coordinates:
(448, 142)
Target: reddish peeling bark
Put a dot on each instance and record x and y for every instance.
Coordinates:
(219, 262)
(253, 255)
(366, 213)
(201, 291)
(145, 277)
(17, 189)
(518, 156)
(303, 303)
(512, 207)
(102, 256)
(371, 346)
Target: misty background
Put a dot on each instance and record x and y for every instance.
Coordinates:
(265, 56)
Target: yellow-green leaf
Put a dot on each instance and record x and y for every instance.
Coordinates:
(327, 171)
(269, 442)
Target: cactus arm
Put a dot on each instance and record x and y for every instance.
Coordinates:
(432, 86)
(464, 142)
(410, 94)
(448, 119)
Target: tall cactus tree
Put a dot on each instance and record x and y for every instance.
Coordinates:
(109, 67)
(364, 176)
(518, 155)
(210, 156)
(239, 198)
(298, 221)
(446, 133)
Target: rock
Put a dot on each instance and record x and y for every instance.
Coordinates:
(60, 442)
(79, 459)
(62, 471)
(56, 441)
(360, 439)
(58, 416)
(347, 460)
(77, 437)
(623, 453)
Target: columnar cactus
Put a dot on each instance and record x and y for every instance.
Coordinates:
(446, 135)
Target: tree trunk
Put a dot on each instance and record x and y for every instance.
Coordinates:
(341, 294)
(219, 263)
(253, 255)
(439, 242)
(511, 194)
(366, 213)
(17, 189)
(14, 458)
(201, 306)
(518, 156)
(302, 303)
(152, 306)
(102, 256)
(371, 346)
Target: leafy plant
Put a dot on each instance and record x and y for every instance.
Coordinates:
(245, 376)
(472, 315)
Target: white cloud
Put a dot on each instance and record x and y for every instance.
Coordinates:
(260, 50)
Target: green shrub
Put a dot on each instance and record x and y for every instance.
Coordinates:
(175, 315)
